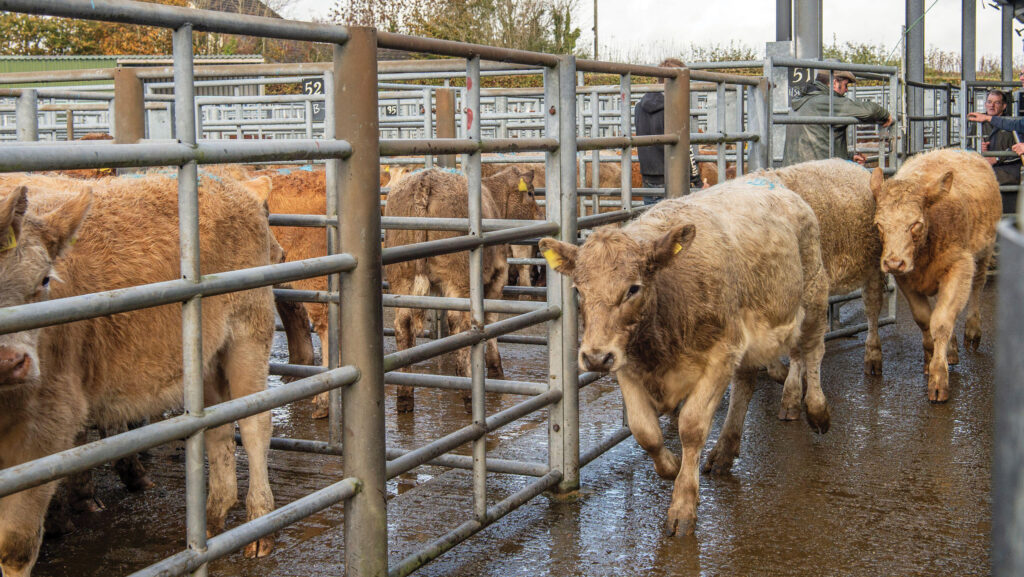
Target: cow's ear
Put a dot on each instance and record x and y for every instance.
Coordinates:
(260, 187)
(669, 245)
(877, 178)
(561, 256)
(527, 176)
(61, 224)
(12, 214)
(939, 188)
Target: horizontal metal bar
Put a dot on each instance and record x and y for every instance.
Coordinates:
(604, 218)
(516, 291)
(452, 224)
(717, 137)
(818, 64)
(434, 449)
(855, 329)
(148, 14)
(467, 529)
(604, 143)
(589, 378)
(506, 466)
(722, 78)
(58, 93)
(408, 147)
(463, 383)
(845, 298)
(407, 252)
(587, 65)
(462, 49)
(413, 355)
(603, 447)
(459, 304)
(33, 157)
(943, 86)
(791, 119)
(78, 459)
(524, 340)
(529, 261)
(238, 537)
(77, 308)
(725, 64)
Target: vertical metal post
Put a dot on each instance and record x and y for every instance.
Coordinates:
(807, 29)
(965, 107)
(721, 107)
(428, 125)
(626, 130)
(129, 107)
(445, 98)
(70, 125)
(476, 285)
(739, 128)
(563, 420)
(1006, 52)
(968, 43)
(191, 310)
(595, 155)
(831, 113)
(363, 434)
(783, 20)
(761, 109)
(915, 70)
(27, 115)
(309, 118)
(677, 122)
(332, 348)
(501, 107)
(895, 130)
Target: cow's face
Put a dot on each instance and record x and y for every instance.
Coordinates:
(517, 198)
(614, 275)
(901, 207)
(30, 245)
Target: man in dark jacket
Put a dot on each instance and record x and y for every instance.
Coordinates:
(810, 141)
(1010, 125)
(649, 118)
(995, 139)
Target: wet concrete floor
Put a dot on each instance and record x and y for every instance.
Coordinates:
(897, 487)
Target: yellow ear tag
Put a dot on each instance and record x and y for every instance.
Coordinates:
(522, 186)
(12, 241)
(387, 169)
(678, 247)
(553, 258)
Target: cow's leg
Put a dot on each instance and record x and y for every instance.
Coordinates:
(81, 487)
(720, 459)
(793, 388)
(245, 368)
(874, 294)
(223, 493)
(129, 469)
(954, 290)
(972, 327)
(493, 357)
(321, 402)
(459, 321)
(777, 371)
(921, 310)
(643, 424)
(295, 319)
(21, 528)
(694, 424)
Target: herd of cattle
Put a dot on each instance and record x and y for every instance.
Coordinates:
(695, 294)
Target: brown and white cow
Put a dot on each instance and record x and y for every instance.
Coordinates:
(839, 192)
(125, 367)
(937, 218)
(696, 292)
(438, 193)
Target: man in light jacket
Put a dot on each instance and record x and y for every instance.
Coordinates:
(810, 141)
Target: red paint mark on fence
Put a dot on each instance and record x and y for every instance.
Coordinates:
(469, 119)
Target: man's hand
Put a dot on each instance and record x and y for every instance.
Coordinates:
(860, 158)
(1019, 148)
(978, 117)
(888, 122)
(984, 145)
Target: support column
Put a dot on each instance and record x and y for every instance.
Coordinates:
(807, 29)
(677, 122)
(363, 434)
(27, 116)
(1006, 57)
(445, 99)
(783, 20)
(915, 70)
(968, 42)
(129, 107)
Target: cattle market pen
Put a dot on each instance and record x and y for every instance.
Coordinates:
(352, 148)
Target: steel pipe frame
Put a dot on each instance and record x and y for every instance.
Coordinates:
(16, 158)
(85, 457)
(464, 146)
(59, 94)
(412, 301)
(414, 251)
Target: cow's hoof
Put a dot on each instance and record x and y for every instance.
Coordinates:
(495, 372)
(88, 505)
(719, 461)
(873, 363)
(791, 413)
(972, 335)
(668, 468)
(679, 524)
(321, 406)
(138, 483)
(938, 388)
(953, 357)
(405, 404)
(820, 421)
(260, 548)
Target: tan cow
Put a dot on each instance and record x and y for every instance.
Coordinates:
(937, 217)
(694, 293)
(437, 193)
(839, 192)
(125, 367)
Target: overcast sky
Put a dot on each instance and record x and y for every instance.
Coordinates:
(649, 29)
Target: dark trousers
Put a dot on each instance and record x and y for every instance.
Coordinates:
(653, 181)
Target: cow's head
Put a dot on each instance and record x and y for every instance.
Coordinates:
(901, 208)
(513, 190)
(614, 274)
(30, 244)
